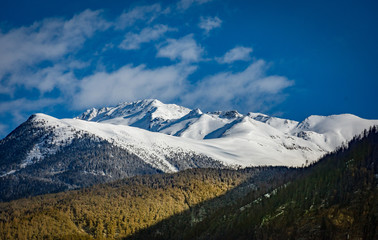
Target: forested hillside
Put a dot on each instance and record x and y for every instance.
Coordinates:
(335, 198)
(119, 209)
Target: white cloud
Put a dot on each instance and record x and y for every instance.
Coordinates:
(133, 40)
(43, 57)
(58, 76)
(209, 23)
(185, 4)
(131, 83)
(236, 54)
(249, 89)
(47, 40)
(147, 13)
(185, 49)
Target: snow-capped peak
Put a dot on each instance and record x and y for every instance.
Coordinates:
(194, 113)
(171, 119)
(258, 116)
(149, 136)
(156, 132)
(227, 114)
(147, 114)
(334, 129)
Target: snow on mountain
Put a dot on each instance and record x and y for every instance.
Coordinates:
(170, 119)
(157, 132)
(331, 131)
(139, 141)
(248, 143)
(229, 137)
(284, 125)
(148, 114)
(328, 132)
(147, 137)
(195, 125)
(316, 134)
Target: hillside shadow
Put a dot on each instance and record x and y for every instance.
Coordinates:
(191, 223)
(342, 183)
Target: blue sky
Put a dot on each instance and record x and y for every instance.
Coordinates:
(284, 58)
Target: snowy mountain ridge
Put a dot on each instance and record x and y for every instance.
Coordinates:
(154, 131)
(146, 114)
(146, 137)
(328, 132)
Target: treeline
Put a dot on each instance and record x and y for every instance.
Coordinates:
(120, 209)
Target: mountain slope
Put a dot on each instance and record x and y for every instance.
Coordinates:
(333, 199)
(45, 155)
(333, 129)
(247, 143)
(328, 132)
(246, 140)
(57, 153)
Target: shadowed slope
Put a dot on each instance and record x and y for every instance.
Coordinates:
(332, 199)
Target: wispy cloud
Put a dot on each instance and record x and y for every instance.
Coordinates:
(133, 41)
(185, 4)
(209, 23)
(44, 62)
(59, 76)
(146, 13)
(47, 40)
(185, 49)
(249, 89)
(131, 83)
(236, 54)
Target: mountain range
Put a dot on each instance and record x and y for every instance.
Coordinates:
(46, 154)
(334, 198)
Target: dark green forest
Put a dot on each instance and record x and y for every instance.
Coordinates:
(335, 198)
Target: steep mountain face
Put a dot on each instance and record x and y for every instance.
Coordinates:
(148, 136)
